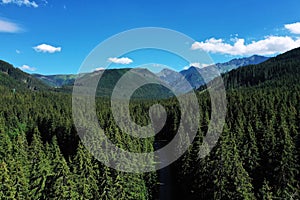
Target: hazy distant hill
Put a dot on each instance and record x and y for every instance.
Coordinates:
(57, 80)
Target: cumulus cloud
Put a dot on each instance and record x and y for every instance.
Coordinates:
(196, 64)
(270, 45)
(27, 68)
(293, 28)
(199, 65)
(46, 48)
(21, 3)
(99, 69)
(122, 61)
(9, 27)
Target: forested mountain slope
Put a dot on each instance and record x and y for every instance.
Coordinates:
(258, 154)
(281, 70)
(109, 79)
(15, 78)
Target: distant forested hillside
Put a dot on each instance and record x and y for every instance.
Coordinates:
(57, 80)
(15, 78)
(282, 70)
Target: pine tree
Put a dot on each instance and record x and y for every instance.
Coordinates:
(20, 168)
(231, 180)
(287, 169)
(84, 172)
(40, 168)
(7, 190)
(250, 151)
(60, 183)
(107, 186)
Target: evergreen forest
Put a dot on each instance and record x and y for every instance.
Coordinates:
(256, 157)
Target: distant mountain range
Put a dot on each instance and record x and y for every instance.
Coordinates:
(110, 78)
(16, 79)
(57, 80)
(171, 77)
(282, 70)
(193, 74)
(239, 62)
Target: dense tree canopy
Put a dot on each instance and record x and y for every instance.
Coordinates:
(256, 157)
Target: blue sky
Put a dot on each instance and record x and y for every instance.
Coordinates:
(55, 36)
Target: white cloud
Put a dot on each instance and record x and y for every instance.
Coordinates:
(122, 61)
(206, 65)
(196, 64)
(293, 28)
(46, 48)
(27, 68)
(21, 3)
(268, 46)
(99, 69)
(9, 27)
